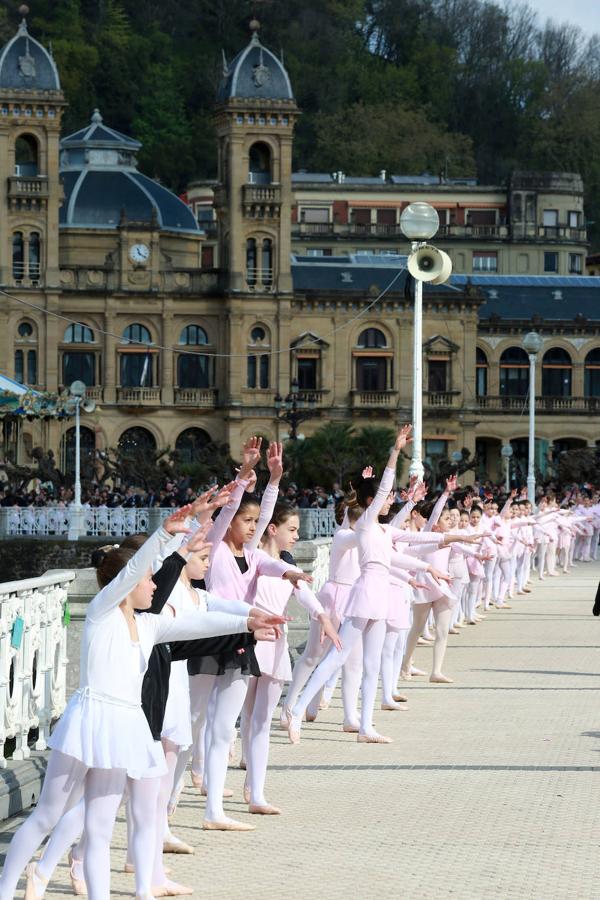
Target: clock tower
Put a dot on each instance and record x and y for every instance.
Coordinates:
(255, 117)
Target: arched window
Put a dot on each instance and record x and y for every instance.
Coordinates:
(18, 257)
(138, 334)
(78, 333)
(267, 262)
(258, 363)
(26, 155)
(136, 441)
(25, 331)
(251, 262)
(195, 370)
(373, 367)
(481, 373)
(557, 371)
(514, 372)
(193, 336)
(87, 446)
(35, 247)
(592, 373)
(259, 164)
(190, 444)
(372, 338)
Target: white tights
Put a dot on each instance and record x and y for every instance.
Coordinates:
(441, 614)
(62, 789)
(201, 687)
(391, 661)
(226, 701)
(373, 635)
(260, 704)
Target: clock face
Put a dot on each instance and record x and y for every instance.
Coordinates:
(139, 253)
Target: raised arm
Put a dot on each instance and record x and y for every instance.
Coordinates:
(138, 566)
(440, 503)
(271, 494)
(371, 513)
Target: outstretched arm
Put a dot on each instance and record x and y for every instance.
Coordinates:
(371, 514)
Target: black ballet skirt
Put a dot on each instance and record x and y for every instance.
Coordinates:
(244, 662)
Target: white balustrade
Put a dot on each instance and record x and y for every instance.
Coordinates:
(317, 523)
(33, 659)
(98, 521)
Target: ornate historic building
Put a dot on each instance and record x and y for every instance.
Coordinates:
(185, 332)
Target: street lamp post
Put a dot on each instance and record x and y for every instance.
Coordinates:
(419, 222)
(506, 453)
(296, 408)
(532, 342)
(74, 404)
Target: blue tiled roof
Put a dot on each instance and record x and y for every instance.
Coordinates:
(26, 65)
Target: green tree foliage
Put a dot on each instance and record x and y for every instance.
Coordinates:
(449, 86)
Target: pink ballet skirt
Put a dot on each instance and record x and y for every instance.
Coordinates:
(370, 596)
(334, 597)
(400, 594)
(105, 732)
(274, 658)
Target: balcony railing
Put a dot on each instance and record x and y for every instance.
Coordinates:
(201, 398)
(259, 279)
(317, 523)
(542, 404)
(500, 232)
(261, 193)
(440, 399)
(373, 399)
(27, 186)
(134, 396)
(95, 393)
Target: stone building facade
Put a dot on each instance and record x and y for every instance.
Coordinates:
(187, 332)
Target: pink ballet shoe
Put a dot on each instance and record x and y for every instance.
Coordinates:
(454, 630)
(228, 825)
(30, 888)
(310, 717)
(423, 642)
(266, 810)
(399, 698)
(78, 884)
(293, 730)
(351, 728)
(177, 847)
(440, 679)
(418, 672)
(406, 675)
(197, 780)
(393, 707)
(373, 739)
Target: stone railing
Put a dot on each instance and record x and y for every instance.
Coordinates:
(542, 404)
(33, 659)
(316, 523)
(97, 521)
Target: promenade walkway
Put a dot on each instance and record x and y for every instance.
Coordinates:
(490, 789)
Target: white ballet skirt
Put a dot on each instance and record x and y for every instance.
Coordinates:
(104, 732)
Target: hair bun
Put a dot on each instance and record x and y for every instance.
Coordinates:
(99, 555)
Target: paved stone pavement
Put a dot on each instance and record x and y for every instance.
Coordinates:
(490, 789)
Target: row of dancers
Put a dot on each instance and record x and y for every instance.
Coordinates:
(187, 637)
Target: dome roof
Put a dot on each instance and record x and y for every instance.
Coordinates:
(27, 66)
(255, 73)
(102, 185)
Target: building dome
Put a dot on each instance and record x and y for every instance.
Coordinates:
(103, 186)
(27, 66)
(256, 74)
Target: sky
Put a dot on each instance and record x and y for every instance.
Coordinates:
(585, 13)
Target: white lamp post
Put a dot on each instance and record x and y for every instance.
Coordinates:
(506, 453)
(419, 222)
(533, 343)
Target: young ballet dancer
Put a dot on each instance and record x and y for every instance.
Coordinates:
(102, 743)
(264, 693)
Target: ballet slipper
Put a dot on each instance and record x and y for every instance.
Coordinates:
(373, 739)
(455, 630)
(440, 679)
(503, 606)
(177, 847)
(415, 671)
(172, 889)
(284, 718)
(293, 729)
(399, 698)
(526, 590)
(197, 780)
(405, 675)
(78, 884)
(227, 792)
(392, 707)
(229, 825)
(30, 888)
(266, 810)
(324, 704)
(471, 622)
(310, 717)
(172, 805)
(424, 642)
(350, 728)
